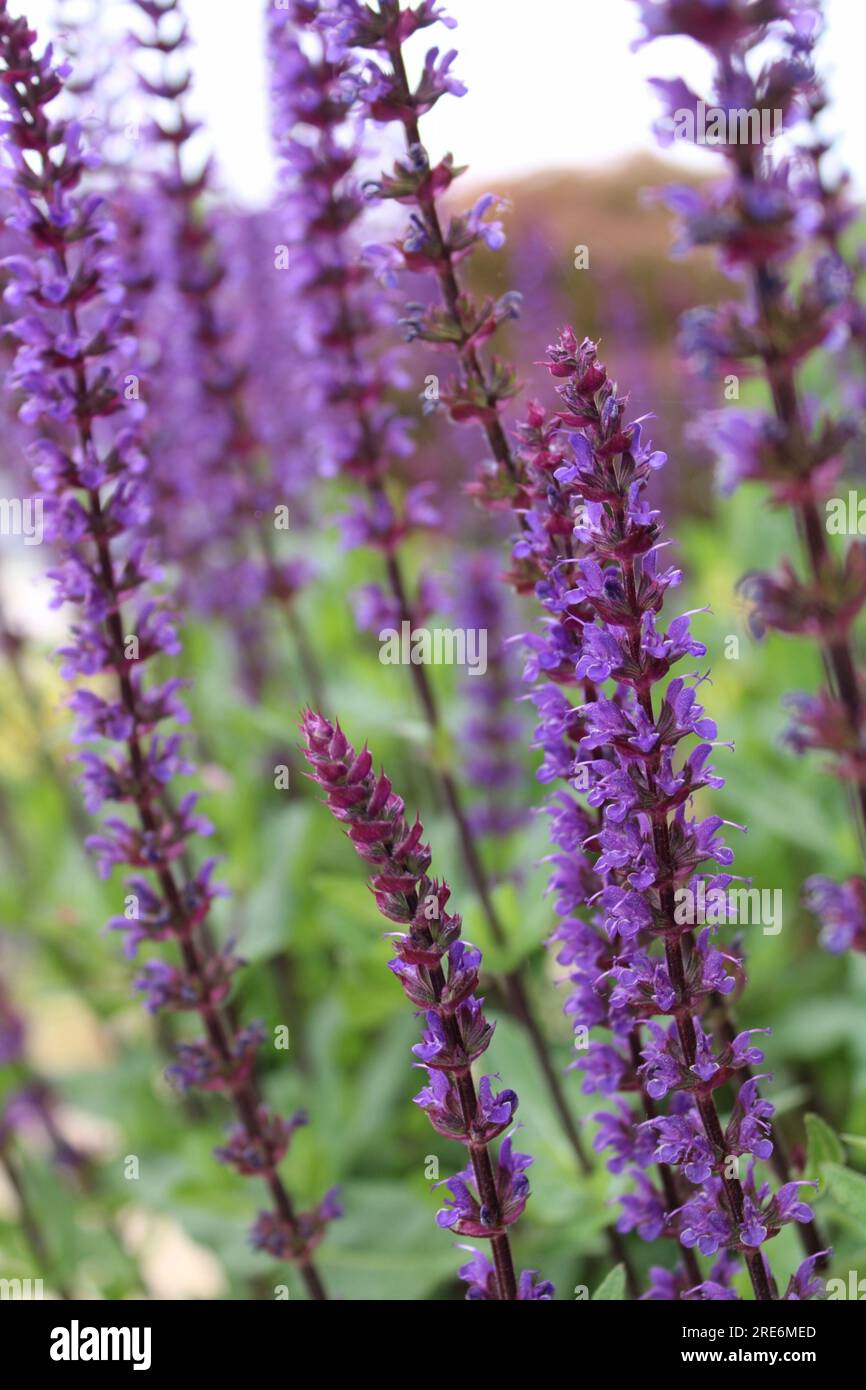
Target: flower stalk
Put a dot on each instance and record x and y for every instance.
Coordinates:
(769, 211)
(597, 544)
(319, 92)
(240, 494)
(439, 974)
(76, 346)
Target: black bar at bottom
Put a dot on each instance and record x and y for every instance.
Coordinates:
(258, 1339)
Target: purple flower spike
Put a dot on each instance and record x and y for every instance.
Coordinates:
(777, 219)
(631, 856)
(222, 471)
(325, 95)
(76, 351)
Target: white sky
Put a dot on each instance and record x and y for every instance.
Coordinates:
(552, 83)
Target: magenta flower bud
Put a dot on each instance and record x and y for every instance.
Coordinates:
(439, 973)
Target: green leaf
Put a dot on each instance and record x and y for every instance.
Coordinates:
(848, 1191)
(389, 1242)
(612, 1287)
(443, 749)
(523, 935)
(353, 908)
(824, 1146)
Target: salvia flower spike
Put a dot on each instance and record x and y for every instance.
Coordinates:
(226, 550)
(318, 138)
(478, 394)
(77, 348)
(633, 858)
(439, 974)
(454, 323)
(771, 209)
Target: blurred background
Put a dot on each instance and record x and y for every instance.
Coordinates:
(557, 119)
(555, 85)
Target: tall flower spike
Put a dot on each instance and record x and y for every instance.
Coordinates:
(455, 323)
(769, 210)
(215, 475)
(548, 541)
(76, 348)
(480, 393)
(631, 861)
(317, 137)
(439, 975)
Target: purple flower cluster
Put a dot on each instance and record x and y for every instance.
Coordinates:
(358, 434)
(218, 496)
(153, 330)
(492, 730)
(628, 856)
(76, 354)
(453, 321)
(322, 100)
(439, 974)
(777, 221)
(841, 907)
